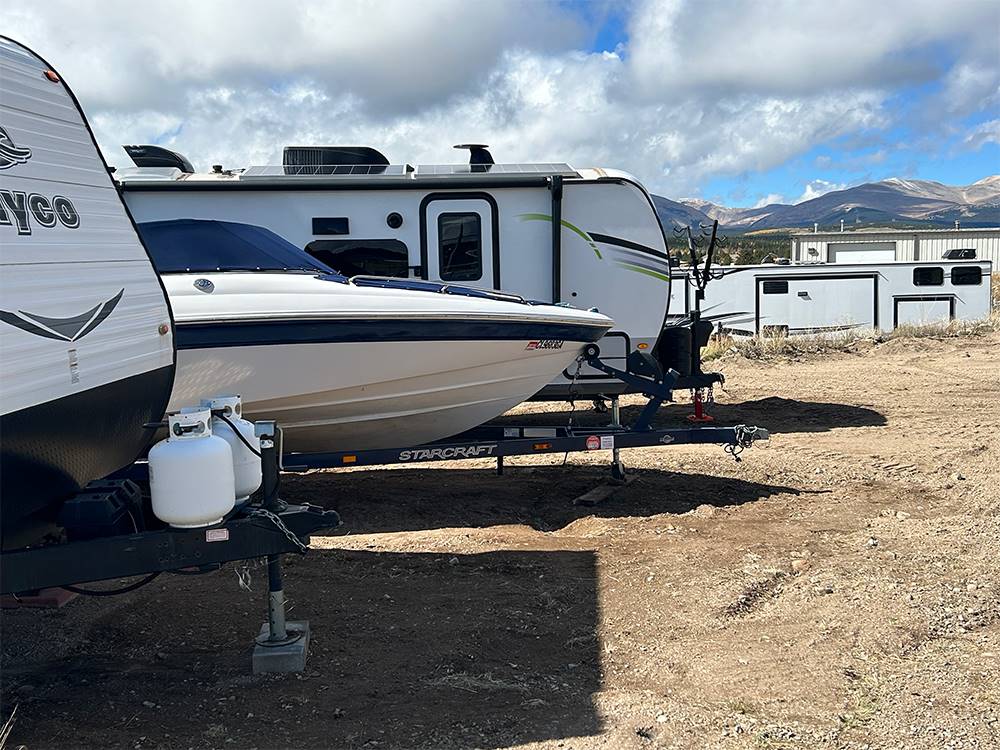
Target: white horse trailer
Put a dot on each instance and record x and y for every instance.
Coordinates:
(818, 298)
(585, 237)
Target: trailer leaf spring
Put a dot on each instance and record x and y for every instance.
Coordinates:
(744, 438)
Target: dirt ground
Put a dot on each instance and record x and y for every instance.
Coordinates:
(838, 588)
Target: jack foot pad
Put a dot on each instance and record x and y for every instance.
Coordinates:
(283, 656)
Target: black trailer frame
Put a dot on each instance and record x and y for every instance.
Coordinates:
(266, 530)
(498, 441)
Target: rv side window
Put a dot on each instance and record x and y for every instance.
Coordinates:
(362, 257)
(924, 276)
(461, 247)
(775, 287)
(967, 276)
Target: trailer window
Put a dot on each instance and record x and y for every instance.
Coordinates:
(928, 276)
(460, 243)
(967, 276)
(775, 287)
(362, 257)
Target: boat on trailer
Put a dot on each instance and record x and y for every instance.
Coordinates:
(548, 232)
(359, 363)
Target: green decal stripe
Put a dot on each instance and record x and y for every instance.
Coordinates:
(640, 269)
(573, 228)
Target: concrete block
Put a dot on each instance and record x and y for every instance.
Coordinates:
(283, 657)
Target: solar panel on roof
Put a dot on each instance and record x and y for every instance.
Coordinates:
(441, 170)
(326, 171)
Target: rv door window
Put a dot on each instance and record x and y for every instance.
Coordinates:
(775, 287)
(928, 276)
(967, 276)
(362, 257)
(461, 247)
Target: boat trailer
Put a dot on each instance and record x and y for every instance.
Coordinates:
(499, 441)
(268, 530)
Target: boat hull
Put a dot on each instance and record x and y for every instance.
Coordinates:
(358, 395)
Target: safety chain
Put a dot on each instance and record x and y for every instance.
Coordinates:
(744, 438)
(572, 402)
(264, 513)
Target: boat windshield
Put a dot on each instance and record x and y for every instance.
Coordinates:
(203, 246)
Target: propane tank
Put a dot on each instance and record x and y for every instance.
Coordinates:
(246, 463)
(191, 477)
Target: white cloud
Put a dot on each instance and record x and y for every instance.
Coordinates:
(701, 90)
(816, 188)
(767, 200)
(986, 132)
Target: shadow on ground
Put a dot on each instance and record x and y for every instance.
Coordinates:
(540, 497)
(408, 651)
(773, 413)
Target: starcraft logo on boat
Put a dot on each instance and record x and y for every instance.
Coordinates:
(72, 328)
(10, 152)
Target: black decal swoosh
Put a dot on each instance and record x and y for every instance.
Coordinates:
(106, 309)
(72, 328)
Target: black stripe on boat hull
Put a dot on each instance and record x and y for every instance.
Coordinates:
(51, 450)
(273, 332)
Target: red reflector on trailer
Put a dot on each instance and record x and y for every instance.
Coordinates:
(52, 76)
(541, 446)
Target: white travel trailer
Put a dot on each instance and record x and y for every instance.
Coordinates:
(820, 298)
(86, 335)
(589, 238)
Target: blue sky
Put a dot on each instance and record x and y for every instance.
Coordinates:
(736, 101)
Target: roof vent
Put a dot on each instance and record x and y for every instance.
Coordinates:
(479, 156)
(333, 160)
(157, 156)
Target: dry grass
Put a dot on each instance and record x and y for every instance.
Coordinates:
(780, 345)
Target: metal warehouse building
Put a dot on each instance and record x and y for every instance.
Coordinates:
(886, 245)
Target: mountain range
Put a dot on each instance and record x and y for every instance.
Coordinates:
(892, 202)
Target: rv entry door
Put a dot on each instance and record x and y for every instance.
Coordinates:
(458, 240)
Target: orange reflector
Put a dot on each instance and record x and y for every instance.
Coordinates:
(643, 346)
(349, 459)
(52, 76)
(541, 446)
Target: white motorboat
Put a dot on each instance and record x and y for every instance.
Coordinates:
(349, 364)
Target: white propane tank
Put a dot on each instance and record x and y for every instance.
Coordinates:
(191, 479)
(246, 463)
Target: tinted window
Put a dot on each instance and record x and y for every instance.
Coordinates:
(197, 246)
(461, 247)
(362, 257)
(928, 276)
(966, 275)
(775, 287)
